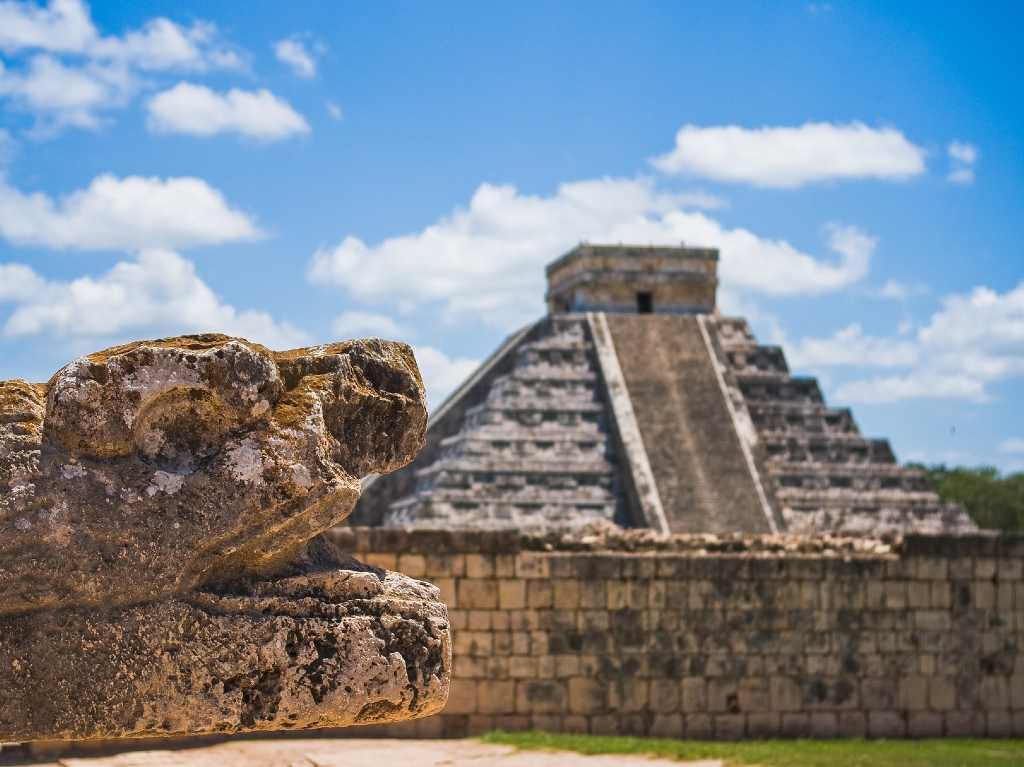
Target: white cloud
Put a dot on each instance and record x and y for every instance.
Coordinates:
(487, 260)
(59, 95)
(963, 152)
(917, 385)
(962, 157)
(849, 346)
(982, 331)
(900, 291)
(97, 73)
(441, 373)
(293, 52)
(962, 176)
(335, 111)
(163, 45)
(19, 283)
(65, 26)
(698, 199)
(356, 324)
(1012, 445)
(157, 294)
(788, 157)
(200, 111)
(974, 340)
(129, 213)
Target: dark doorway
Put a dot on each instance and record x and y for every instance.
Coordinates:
(644, 303)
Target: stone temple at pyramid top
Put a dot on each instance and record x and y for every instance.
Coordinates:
(634, 401)
(631, 279)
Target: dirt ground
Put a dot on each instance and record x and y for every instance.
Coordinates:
(347, 752)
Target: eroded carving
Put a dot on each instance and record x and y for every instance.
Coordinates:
(159, 566)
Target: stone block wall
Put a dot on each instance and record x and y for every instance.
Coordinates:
(721, 637)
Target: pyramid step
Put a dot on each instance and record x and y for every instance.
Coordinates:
(545, 465)
(566, 496)
(841, 498)
(870, 520)
(495, 516)
(553, 373)
(762, 387)
(825, 449)
(503, 438)
(522, 404)
(575, 387)
(754, 360)
(852, 470)
(801, 417)
(734, 331)
(867, 476)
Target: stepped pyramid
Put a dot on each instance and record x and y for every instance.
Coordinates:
(633, 401)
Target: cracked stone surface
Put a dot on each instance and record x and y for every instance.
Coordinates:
(160, 565)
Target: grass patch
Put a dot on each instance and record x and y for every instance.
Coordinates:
(945, 752)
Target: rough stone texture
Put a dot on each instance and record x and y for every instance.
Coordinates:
(147, 469)
(159, 571)
(722, 636)
(324, 649)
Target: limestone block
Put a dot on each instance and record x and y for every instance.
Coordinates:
(694, 694)
(161, 564)
(539, 594)
(763, 725)
(664, 695)
(479, 566)
(666, 726)
(796, 725)
(478, 594)
(965, 724)
(886, 724)
(463, 697)
(511, 594)
(498, 697)
(924, 725)
(587, 696)
(852, 724)
(729, 726)
(998, 725)
(540, 697)
(698, 726)
(824, 724)
(522, 667)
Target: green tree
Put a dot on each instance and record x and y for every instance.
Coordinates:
(993, 500)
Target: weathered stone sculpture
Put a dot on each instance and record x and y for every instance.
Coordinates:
(160, 570)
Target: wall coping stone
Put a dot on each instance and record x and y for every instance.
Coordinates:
(605, 539)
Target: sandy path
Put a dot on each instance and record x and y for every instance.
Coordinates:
(345, 752)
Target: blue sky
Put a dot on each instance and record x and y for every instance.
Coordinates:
(302, 172)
